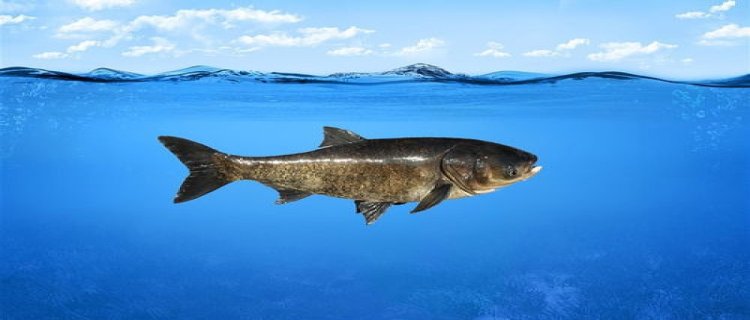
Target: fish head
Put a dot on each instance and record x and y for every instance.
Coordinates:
(480, 167)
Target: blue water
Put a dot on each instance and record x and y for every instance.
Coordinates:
(642, 210)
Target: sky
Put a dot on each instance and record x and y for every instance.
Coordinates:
(685, 39)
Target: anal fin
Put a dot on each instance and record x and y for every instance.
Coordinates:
(371, 210)
(290, 195)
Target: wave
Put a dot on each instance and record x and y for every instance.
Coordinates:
(419, 72)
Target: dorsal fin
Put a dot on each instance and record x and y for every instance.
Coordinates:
(334, 136)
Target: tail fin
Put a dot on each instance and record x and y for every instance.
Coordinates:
(207, 167)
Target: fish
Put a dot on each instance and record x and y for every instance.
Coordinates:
(375, 173)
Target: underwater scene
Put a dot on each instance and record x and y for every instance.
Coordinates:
(642, 210)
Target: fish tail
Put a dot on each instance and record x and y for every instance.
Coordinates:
(208, 168)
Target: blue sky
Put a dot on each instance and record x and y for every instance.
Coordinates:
(677, 39)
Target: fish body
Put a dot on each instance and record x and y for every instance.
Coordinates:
(376, 173)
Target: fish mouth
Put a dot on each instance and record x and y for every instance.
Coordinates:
(533, 170)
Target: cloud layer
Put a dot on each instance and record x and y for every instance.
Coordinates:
(306, 37)
(8, 19)
(572, 44)
(727, 35)
(225, 18)
(350, 51)
(96, 5)
(713, 11)
(50, 55)
(194, 24)
(615, 51)
(160, 45)
(730, 31)
(87, 24)
(560, 50)
(494, 49)
(240, 30)
(422, 46)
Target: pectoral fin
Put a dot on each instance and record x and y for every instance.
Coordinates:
(371, 210)
(290, 195)
(437, 195)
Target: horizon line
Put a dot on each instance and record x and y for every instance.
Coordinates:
(543, 74)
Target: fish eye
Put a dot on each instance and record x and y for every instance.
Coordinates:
(511, 171)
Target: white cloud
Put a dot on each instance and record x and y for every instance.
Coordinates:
(384, 45)
(189, 22)
(275, 39)
(572, 44)
(561, 49)
(714, 11)
(50, 55)
(725, 6)
(422, 46)
(182, 21)
(727, 35)
(495, 53)
(186, 18)
(318, 35)
(692, 15)
(250, 14)
(95, 5)
(308, 37)
(160, 45)
(494, 49)
(88, 24)
(70, 52)
(8, 19)
(350, 51)
(728, 32)
(83, 46)
(541, 53)
(615, 51)
(221, 50)
(687, 60)
(192, 23)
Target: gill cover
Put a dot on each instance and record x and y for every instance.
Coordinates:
(465, 168)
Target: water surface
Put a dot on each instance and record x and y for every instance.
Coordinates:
(641, 211)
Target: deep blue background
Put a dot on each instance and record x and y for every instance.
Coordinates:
(642, 210)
